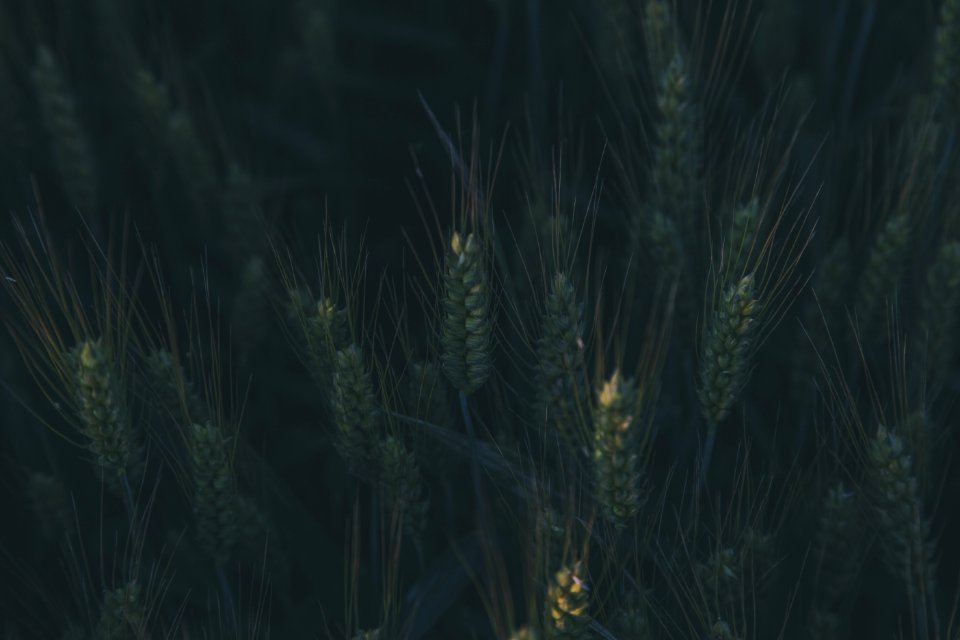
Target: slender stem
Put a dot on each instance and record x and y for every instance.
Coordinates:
(474, 462)
(127, 496)
(229, 601)
(375, 541)
(708, 447)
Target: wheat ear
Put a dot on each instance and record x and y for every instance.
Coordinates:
(560, 361)
(356, 414)
(905, 533)
(614, 455)
(467, 326)
(72, 152)
(401, 484)
(103, 414)
(939, 304)
(725, 356)
(568, 602)
(881, 274)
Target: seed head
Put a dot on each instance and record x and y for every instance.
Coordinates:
(355, 413)
(614, 457)
(725, 358)
(216, 503)
(467, 326)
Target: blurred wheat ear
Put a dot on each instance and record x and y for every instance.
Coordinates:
(356, 414)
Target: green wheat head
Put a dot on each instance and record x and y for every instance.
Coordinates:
(614, 451)
(216, 503)
(103, 414)
(560, 350)
(725, 361)
(356, 414)
(467, 325)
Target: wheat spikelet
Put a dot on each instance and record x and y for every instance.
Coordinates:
(560, 361)
(725, 361)
(326, 330)
(171, 389)
(720, 573)
(658, 33)
(721, 630)
(731, 573)
(122, 615)
(946, 62)
(838, 544)
(614, 457)
(632, 620)
(552, 536)
(467, 325)
(839, 557)
(72, 152)
(401, 484)
(103, 415)
(676, 157)
(666, 247)
(908, 548)
(355, 413)
(881, 274)
(216, 503)
(524, 633)
(568, 601)
(939, 304)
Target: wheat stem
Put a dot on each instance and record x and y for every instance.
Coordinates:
(474, 454)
